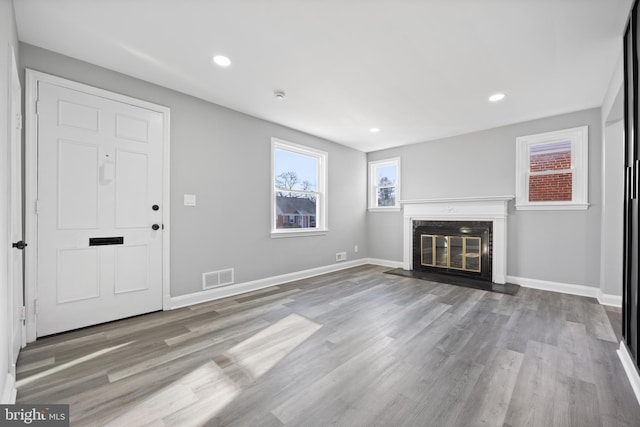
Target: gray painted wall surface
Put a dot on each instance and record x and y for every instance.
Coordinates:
(612, 229)
(612, 209)
(223, 157)
(8, 36)
(557, 246)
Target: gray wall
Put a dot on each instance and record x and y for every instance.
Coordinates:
(612, 209)
(558, 246)
(612, 115)
(223, 157)
(8, 36)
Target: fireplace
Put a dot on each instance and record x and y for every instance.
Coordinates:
(462, 248)
(485, 216)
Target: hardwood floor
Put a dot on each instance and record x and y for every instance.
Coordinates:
(352, 348)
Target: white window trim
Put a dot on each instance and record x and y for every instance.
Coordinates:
(579, 138)
(373, 166)
(321, 218)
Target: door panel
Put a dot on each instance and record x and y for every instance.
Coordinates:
(78, 275)
(132, 204)
(132, 128)
(78, 116)
(77, 171)
(99, 173)
(132, 268)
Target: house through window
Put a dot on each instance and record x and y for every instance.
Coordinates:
(299, 189)
(384, 184)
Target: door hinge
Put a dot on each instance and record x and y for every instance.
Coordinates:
(23, 313)
(19, 121)
(36, 307)
(37, 107)
(37, 207)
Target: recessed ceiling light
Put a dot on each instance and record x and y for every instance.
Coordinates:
(374, 130)
(496, 97)
(222, 60)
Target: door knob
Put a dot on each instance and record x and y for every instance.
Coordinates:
(19, 245)
(155, 226)
(155, 207)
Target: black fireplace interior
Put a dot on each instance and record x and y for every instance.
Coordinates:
(460, 248)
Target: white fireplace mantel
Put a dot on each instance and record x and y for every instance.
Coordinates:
(492, 208)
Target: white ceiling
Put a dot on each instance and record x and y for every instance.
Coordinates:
(416, 69)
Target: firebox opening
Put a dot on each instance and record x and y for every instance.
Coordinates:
(453, 247)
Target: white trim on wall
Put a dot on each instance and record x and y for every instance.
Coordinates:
(254, 285)
(566, 288)
(9, 391)
(385, 263)
(31, 184)
(630, 369)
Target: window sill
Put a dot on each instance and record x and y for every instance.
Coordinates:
(552, 207)
(390, 209)
(298, 233)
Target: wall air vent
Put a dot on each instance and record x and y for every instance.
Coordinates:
(216, 279)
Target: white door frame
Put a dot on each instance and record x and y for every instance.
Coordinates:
(14, 143)
(31, 185)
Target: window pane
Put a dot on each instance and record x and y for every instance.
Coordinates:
(473, 254)
(442, 252)
(294, 171)
(550, 188)
(295, 210)
(426, 241)
(455, 252)
(386, 175)
(387, 196)
(550, 157)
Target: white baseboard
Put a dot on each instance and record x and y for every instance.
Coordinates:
(385, 263)
(254, 285)
(567, 288)
(630, 369)
(9, 392)
(608, 299)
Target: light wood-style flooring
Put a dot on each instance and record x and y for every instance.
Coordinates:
(352, 348)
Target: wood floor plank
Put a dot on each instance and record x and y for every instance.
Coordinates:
(355, 347)
(492, 392)
(532, 402)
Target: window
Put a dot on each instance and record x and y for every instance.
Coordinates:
(299, 196)
(384, 184)
(551, 170)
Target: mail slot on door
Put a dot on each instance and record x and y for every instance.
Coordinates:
(103, 241)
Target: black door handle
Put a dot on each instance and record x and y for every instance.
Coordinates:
(155, 226)
(19, 245)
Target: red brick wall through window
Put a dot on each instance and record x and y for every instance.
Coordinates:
(550, 187)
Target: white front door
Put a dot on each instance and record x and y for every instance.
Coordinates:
(100, 233)
(16, 287)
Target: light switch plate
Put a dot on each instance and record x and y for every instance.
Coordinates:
(189, 199)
